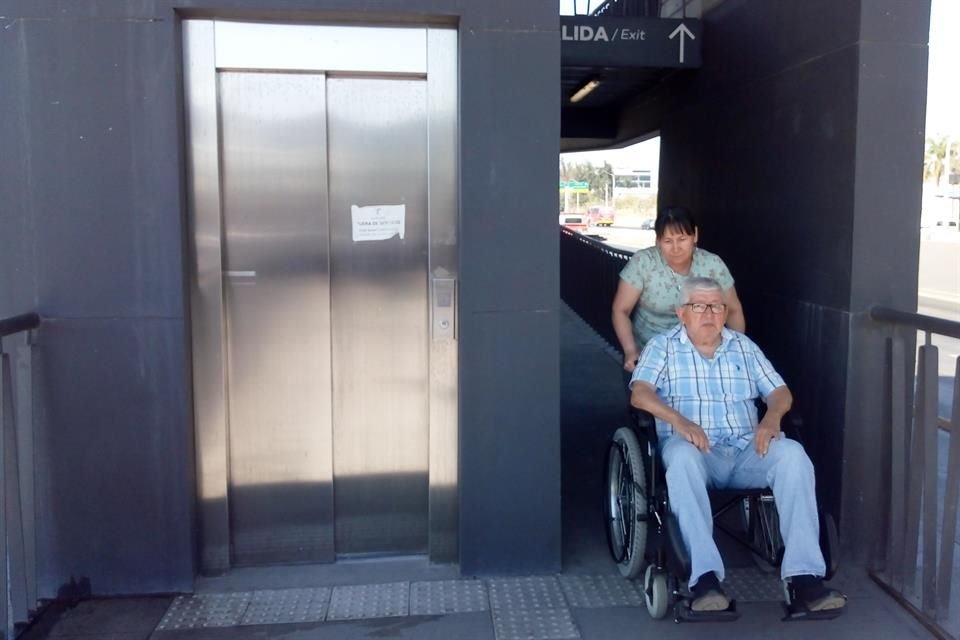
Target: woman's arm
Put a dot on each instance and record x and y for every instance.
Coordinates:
(624, 302)
(735, 319)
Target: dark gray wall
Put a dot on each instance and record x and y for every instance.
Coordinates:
(799, 144)
(93, 238)
(92, 175)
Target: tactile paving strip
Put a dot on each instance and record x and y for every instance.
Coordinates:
(533, 624)
(205, 610)
(752, 585)
(530, 609)
(279, 606)
(447, 596)
(369, 601)
(600, 591)
(526, 593)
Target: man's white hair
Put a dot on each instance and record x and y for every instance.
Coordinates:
(692, 285)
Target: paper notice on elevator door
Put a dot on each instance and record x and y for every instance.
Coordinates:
(378, 221)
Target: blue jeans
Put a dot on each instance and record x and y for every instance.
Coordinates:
(786, 469)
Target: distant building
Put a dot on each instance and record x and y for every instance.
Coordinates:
(634, 182)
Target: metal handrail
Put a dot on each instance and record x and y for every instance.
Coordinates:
(16, 324)
(589, 273)
(920, 322)
(917, 561)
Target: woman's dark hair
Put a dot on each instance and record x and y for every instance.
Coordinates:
(678, 218)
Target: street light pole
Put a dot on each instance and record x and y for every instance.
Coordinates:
(613, 187)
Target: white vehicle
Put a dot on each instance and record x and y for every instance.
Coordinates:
(940, 211)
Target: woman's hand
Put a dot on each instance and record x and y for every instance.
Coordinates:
(630, 361)
(735, 319)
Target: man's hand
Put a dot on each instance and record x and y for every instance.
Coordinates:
(767, 431)
(643, 395)
(779, 402)
(630, 361)
(693, 433)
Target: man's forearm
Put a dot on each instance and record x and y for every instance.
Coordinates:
(645, 398)
(779, 402)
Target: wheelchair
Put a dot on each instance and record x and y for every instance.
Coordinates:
(644, 535)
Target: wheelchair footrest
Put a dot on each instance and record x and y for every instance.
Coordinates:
(683, 613)
(796, 611)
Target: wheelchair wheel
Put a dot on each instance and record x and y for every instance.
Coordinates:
(829, 543)
(656, 592)
(626, 503)
(763, 527)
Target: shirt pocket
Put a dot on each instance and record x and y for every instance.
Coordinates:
(737, 382)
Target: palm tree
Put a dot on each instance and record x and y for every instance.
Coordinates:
(934, 156)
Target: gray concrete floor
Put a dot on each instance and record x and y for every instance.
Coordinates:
(593, 402)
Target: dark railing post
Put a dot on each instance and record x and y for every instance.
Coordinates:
(15, 570)
(17, 576)
(951, 495)
(6, 622)
(914, 478)
(898, 459)
(927, 428)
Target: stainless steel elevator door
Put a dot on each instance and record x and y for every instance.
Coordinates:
(277, 301)
(324, 376)
(377, 137)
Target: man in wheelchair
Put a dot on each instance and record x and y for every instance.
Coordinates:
(700, 381)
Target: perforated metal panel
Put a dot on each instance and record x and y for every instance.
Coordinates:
(206, 610)
(369, 601)
(448, 596)
(287, 605)
(526, 593)
(533, 624)
(600, 591)
(752, 585)
(530, 609)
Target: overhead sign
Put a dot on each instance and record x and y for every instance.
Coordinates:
(575, 187)
(630, 42)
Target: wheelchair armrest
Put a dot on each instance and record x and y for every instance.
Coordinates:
(791, 425)
(644, 424)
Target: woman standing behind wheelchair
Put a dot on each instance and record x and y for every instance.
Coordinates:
(650, 283)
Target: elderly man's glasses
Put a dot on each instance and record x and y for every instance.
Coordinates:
(701, 307)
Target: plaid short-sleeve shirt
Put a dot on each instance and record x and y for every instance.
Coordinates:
(717, 393)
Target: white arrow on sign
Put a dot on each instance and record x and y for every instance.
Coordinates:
(683, 31)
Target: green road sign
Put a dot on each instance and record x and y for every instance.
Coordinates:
(575, 187)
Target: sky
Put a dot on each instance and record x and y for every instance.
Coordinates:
(943, 77)
(943, 88)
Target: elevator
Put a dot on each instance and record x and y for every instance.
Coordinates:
(322, 200)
